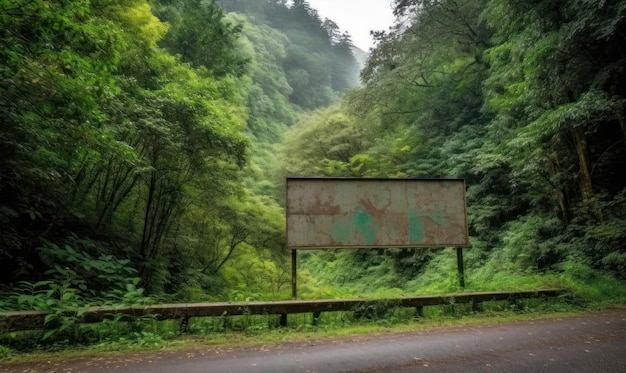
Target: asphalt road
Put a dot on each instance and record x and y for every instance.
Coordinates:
(592, 343)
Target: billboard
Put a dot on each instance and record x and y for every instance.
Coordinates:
(366, 213)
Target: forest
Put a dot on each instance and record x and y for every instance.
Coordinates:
(144, 145)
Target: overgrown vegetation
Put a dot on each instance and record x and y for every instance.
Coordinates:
(133, 134)
(519, 99)
(144, 145)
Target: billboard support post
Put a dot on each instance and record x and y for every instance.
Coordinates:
(459, 264)
(294, 261)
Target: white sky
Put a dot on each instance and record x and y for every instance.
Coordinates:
(357, 17)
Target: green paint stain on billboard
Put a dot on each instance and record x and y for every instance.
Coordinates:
(438, 216)
(346, 231)
(416, 227)
(366, 224)
(361, 226)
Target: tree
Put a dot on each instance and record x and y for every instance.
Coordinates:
(200, 33)
(307, 153)
(107, 137)
(561, 90)
(560, 109)
(423, 84)
(56, 93)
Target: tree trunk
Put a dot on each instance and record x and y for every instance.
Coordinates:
(622, 123)
(584, 172)
(559, 195)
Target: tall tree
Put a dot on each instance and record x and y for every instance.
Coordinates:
(200, 33)
(55, 92)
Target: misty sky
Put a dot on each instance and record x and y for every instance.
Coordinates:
(357, 17)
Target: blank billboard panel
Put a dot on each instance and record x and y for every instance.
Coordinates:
(365, 213)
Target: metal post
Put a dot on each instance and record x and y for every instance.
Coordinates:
(316, 316)
(294, 262)
(459, 263)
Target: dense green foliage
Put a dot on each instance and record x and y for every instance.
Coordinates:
(144, 145)
(107, 137)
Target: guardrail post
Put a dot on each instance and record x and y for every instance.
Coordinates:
(184, 324)
(316, 317)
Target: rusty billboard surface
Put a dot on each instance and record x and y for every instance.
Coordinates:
(365, 213)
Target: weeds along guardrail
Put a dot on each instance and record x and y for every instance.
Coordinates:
(34, 320)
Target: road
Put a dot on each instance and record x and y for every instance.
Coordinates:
(590, 343)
